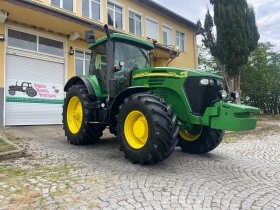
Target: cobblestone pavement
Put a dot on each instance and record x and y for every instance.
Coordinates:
(244, 174)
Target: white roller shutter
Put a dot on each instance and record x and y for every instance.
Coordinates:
(47, 80)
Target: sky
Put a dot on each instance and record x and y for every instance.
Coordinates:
(267, 15)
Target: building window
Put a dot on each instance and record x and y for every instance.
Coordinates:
(167, 35)
(151, 29)
(180, 39)
(35, 43)
(22, 40)
(91, 9)
(82, 61)
(115, 16)
(135, 23)
(65, 4)
(50, 46)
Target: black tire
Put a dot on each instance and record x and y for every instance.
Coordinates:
(85, 133)
(203, 141)
(31, 92)
(161, 129)
(12, 92)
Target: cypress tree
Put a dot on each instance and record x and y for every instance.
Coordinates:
(236, 37)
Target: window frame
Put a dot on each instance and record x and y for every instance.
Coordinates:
(82, 59)
(114, 14)
(61, 5)
(184, 39)
(37, 42)
(141, 21)
(90, 10)
(172, 35)
(155, 21)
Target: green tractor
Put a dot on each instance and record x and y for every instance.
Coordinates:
(151, 110)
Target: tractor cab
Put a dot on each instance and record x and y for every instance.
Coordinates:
(115, 57)
(26, 84)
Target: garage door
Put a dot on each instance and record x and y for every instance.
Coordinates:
(34, 80)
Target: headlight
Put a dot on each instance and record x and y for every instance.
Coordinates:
(204, 82)
(223, 94)
(235, 95)
(212, 82)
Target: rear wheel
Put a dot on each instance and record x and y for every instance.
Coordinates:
(146, 129)
(12, 92)
(200, 140)
(77, 115)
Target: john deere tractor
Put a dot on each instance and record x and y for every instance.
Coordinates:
(151, 110)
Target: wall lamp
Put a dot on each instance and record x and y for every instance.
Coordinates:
(74, 36)
(2, 37)
(3, 16)
(71, 51)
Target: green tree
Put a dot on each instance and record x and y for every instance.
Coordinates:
(207, 62)
(236, 37)
(260, 79)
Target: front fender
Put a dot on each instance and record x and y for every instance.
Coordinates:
(123, 95)
(118, 101)
(228, 116)
(80, 80)
(91, 82)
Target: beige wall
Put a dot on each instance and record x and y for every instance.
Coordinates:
(186, 59)
(33, 18)
(2, 56)
(80, 45)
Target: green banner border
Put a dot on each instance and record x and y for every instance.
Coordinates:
(33, 100)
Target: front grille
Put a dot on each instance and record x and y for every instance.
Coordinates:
(201, 96)
(156, 81)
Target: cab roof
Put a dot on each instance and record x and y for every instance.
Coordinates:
(124, 38)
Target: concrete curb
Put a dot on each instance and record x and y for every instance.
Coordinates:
(18, 152)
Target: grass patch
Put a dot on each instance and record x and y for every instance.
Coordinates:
(21, 185)
(12, 174)
(5, 147)
(13, 137)
(26, 196)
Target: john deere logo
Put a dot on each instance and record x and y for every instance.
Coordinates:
(154, 74)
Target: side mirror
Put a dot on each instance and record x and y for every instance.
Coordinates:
(119, 67)
(90, 38)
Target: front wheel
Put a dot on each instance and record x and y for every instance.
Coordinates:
(146, 129)
(77, 115)
(201, 140)
(31, 92)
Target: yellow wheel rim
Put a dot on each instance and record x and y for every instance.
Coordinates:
(136, 129)
(186, 135)
(74, 115)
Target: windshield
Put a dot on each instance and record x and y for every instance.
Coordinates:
(131, 57)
